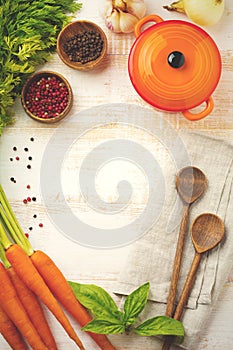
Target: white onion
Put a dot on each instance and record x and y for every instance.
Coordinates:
(202, 12)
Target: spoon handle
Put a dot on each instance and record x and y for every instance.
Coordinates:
(188, 286)
(184, 297)
(177, 261)
(168, 342)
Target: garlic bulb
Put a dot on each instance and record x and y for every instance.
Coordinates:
(202, 12)
(122, 15)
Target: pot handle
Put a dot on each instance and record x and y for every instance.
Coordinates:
(144, 20)
(202, 114)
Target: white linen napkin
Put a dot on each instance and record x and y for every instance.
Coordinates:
(151, 257)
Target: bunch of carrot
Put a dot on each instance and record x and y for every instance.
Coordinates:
(28, 277)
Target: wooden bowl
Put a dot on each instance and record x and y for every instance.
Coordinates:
(37, 77)
(77, 28)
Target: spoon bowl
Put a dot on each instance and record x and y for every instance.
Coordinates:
(190, 184)
(206, 232)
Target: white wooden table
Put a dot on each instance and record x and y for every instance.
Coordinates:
(109, 84)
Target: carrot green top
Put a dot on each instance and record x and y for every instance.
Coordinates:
(9, 224)
(3, 257)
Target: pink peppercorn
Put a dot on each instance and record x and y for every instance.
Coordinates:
(47, 97)
(29, 199)
(25, 201)
(41, 225)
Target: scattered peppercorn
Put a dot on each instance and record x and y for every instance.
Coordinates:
(29, 166)
(11, 159)
(27, 235)
(26, 149)
(34, 199)
(25, 201)
(47, 97)
(30, 228)
(28, 187)
(29, 199)
(14, 148)
(17, 158)
(41, 225)
(84, 47)
(30, 158)
(32, 139)
(35, 216)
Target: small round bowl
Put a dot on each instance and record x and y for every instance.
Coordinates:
(37, 77)
(78, 28)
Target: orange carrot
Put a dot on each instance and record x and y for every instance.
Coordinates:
(25, 269)
(57, 283)
(16, 312)
(61, 289)
(33, 309)
(11, 333)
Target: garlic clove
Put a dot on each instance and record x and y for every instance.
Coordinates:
(127, 22)
(119, 4)
(136, 8)
(122, 15)
(113, 21)
(106, 8)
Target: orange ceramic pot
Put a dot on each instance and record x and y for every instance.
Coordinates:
(175, 66)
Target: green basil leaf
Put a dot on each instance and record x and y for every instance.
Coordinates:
(160, 325)
(96, 299)
(104, 326)
(135, 303)
(129, 321)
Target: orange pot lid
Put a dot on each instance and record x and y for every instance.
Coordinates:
(174, 65)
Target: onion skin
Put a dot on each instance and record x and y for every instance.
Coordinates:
(202, 12)
(122, 15)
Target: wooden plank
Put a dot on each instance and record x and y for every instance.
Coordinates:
(110, 84)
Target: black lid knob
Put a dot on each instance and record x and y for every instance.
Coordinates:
(176, 59)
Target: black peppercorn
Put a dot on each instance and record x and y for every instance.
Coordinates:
(84, 47)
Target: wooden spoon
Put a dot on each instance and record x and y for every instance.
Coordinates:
(190, 184)
(206, 232)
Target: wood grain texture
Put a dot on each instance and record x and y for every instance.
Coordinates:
(80, 27)
(110, 84)
(36, 77)
(177, 261)
(190, 184)
(206, 232)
